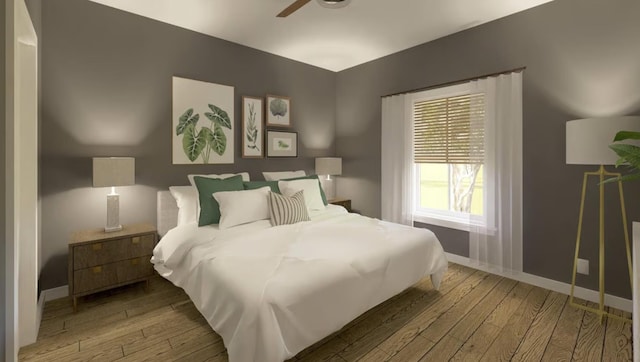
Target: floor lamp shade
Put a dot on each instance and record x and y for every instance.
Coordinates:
(588, 139)
(329, 166)
(112, 172)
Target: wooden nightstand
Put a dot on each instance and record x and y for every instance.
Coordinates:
(100, 260)
(346, 203)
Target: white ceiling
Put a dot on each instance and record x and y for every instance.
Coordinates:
(333, 39)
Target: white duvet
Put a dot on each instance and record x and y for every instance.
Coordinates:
(270, 292)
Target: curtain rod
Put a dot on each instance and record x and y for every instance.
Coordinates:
(515, 70)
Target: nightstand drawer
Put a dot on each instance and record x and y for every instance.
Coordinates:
(134, 269)
(94, 278)
(104, 252)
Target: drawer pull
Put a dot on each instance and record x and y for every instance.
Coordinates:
(135, 261)
(97, 269)
(97, 246)
(135, 240)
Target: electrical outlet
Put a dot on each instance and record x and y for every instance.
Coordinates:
(583, 266)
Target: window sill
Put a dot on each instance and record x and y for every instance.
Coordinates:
(448, 222)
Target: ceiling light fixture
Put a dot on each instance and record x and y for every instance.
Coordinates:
(334, 4)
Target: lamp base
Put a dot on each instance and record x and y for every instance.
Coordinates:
(112, 229)
(113, 213)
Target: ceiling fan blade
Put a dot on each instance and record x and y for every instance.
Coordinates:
(292, 8)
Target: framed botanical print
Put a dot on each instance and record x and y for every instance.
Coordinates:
(282, 144)
(252, 128)
(278, 111)
(203, 123)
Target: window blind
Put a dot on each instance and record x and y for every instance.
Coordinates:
(449, 130)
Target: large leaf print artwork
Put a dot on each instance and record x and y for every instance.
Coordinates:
(202, 122)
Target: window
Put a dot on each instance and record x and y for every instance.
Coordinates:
(448, 148)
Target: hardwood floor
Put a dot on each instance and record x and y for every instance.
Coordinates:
(474, 317)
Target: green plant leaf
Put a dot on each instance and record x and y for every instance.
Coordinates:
(185, 120)
(629, 177)
(192, 142)
(218, 116)
(626, 135)
(207, 134)
(630, 154)
(218, 140)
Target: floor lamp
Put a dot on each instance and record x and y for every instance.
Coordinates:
(588, 143)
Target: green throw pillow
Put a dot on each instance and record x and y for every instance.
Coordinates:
(311, 177)
(252, 185)
(209, 207)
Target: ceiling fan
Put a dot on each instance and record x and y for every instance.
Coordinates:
(331, 4)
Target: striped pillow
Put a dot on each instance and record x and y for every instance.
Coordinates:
(287, 210)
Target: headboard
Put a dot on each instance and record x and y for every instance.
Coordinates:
(167, 212)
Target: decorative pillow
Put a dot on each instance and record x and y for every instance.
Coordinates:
(287, 210)
(312, 177)
(252, 185)
(277, 176)
(241, 207)
(245, 176)
(187, 199)
(311, 190)
(209, 207)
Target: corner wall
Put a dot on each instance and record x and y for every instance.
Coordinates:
(582, 61)
(106, 91)
(3, 155)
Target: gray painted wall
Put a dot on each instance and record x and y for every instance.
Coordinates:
(582, 60)
(3, 175)
(106, 91)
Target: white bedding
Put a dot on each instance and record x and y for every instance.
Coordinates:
(270, 292)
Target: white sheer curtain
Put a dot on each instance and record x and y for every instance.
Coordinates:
(397, 160)
(499, 244)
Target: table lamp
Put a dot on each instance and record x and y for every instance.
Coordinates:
(588, 143)
(112, 172)
(329, 166)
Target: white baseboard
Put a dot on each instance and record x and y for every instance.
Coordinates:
(55, 293)
(554, 285)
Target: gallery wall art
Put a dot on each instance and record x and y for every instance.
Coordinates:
(282, 144)
(278, 111)
(252, 127)
(203, 122)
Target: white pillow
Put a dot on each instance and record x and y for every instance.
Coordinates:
(311, 189)
(276, 176)
(241, 207)
(187, 200)
(245, 177)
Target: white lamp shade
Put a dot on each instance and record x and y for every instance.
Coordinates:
(113, 171)
(329, 166)
(588, 139)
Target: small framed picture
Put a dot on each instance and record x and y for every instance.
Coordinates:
(282, 144)
(278, 111)
(252, 128)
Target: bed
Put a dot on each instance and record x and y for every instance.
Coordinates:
(270, 292)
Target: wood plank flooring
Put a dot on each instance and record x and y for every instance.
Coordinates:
(474, 316)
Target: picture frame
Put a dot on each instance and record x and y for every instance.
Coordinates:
(282, 144)
(252, 127)
(278, 111)
(203, 122)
